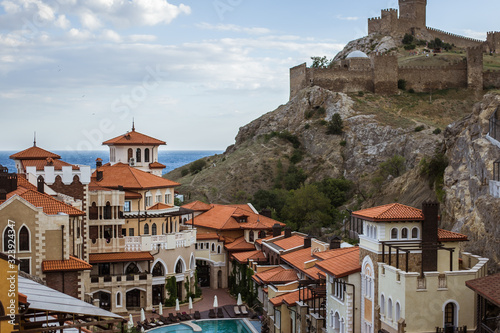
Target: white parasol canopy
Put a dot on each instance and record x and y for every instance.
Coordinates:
(190, 303)
(216, 303)
(160, 309)
(143, 315)
(177, 307)
(130, 322)
(239, 301)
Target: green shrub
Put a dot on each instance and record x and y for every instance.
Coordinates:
(402, 84)
(361, 94)
(184, 172)
(419, 128)
(297, 156)
(395, 166)
(408, 39)
(197, 166)
(306, 126)
(343, 143)
(323, 122)
(308, 114)
(410, 47)
(437, 131)
(335, 125)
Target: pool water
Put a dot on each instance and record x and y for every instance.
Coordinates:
(209, 326)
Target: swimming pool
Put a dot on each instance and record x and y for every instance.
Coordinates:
(210, 326)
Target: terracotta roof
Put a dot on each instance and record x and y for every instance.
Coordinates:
(390, 212)
(157, 165)
(34, 153)
(49, 205)
(346, 262)
(298, 258)
(240, 244)
(291, 298)
(73, 264)
(124, 175)
(243, 257)
(276, 275)
(160, 206)
(119, 257)
(134, 138)
(450, 236)
(259, 241)
(290, 242)
(42, 163)
(211, 235)
(488, 287)
(23, 182)
(198, 206)
(132, 195)
(221, 217)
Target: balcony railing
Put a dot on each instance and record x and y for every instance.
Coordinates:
(156, 242)
(119, 278)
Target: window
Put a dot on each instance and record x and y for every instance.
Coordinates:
(158, 270)
(138, 155)
(24, 265)
(389, 308)
(118, 299)
(168, 198)
(107, 211)
(126, 206)
(130, 154)
(132, 269)
(336, 322)
(449, 315)
(382, 304)
(124, 232)
(394, 233)
(338, 289)
(153, 229)
(404, 233)
(93, 212)
(146, 229)
(147, 202)
(179, 267)
(218, 249)
(104, 269)
(146, 155)
(262, 234)
(196, 246)
(251, 236)
(398, 311)
(24, 239)
(414, 233)
(158, 196)
(277, 318)
(213, 247)
(131, 232)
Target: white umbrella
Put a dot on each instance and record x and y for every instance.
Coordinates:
(143, 315)
(160, 309)
(130, 322)
(239, 301)
(190, 304)
(177, 307)
(216, 304)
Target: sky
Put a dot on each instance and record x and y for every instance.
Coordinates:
(189, 72)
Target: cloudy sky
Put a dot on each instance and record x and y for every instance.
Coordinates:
(191, 72)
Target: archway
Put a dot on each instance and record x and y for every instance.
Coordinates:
(203, 271)
(104, 299)
(133, 299)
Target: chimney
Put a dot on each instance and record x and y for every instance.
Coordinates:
(335, 242)
(288, 232)
(8, 182)
(120, 188)
(40, 184)
(430, 236)
(276, 230)
(307, 242)
(50, 161)
(266, 212)
(99, 175)
(98, 163)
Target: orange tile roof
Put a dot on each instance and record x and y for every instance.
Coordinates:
(211, 235)
(390, 212)
(259, 241)
(198, 206)
(276, 275)
(243, 257)
(134, 138)
(240, 244)
(221, 217)
(130, 178)
(160, 206)
(49, 205)
(488, 287)
(119, 257)
(291, 298)
(450, 236)
(290, 242)
(41, 164)
(34, 153)
(23, 182)
(344, 264)
(298, 258)
(73, 264)
(157, 165)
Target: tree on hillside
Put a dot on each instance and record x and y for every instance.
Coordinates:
(320, 62)
(335, 125)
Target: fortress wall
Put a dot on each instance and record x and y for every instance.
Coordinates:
(459, 41)
(374, 25)
(422, 79)
(342, 80)
(298, 79)
(385, 74)
(493, 41)
(491, 79)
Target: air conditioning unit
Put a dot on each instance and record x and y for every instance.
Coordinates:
(131, 162)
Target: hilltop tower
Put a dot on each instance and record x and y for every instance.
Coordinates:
(414, 11)
(493, 41)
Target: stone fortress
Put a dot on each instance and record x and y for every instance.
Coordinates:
(379, 73)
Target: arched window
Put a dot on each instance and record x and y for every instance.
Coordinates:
(449, 314)
(218, 249)
(146, 155)
(332, 318)
(196, 246)
(93, 212)
(132, 269)
(130, 154)
(398, 311)
(146, 229)
(394, 233)
(24, 239)
(404, 233)
(342, 325)
(250, 236)
(382, 304)
(179, 267)
(153, 229)
(107, 211)
(118, 299)
(389, 308)
(414, 233)
(336, 322)
(158, 269)
(213, 247)
(138, 155)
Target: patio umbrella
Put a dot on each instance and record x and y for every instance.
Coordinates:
(239, 301)
(177, 307)
(216, 304)
(130, 322)
(160, 309)
(143, 315)
(190, 304)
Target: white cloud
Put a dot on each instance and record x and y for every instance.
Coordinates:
(142, 38)
(233, 28)
(62, 22)
(89, 21)
(111, 35)
(347, 18)
(474, 34)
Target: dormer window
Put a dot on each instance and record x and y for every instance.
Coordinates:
(243, 219)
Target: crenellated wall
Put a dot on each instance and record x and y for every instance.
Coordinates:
(493, 42)
(457, 40)
(424, 79)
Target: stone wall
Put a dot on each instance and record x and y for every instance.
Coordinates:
(493, 42)
(342, 79)
(475, 68)
(423, 79)
(385, 74)
(457, 40)
(298, 79)
(65, 282)
(491, 79)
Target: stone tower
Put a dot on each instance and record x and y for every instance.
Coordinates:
(475, 68)
(414, 10)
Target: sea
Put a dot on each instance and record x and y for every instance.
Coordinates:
(173, 159)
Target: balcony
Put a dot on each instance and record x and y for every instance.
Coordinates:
(160, 242)
(103, 245)
(98, 281)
